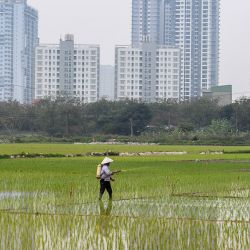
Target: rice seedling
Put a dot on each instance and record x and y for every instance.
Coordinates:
(160, 202)
(84, 148)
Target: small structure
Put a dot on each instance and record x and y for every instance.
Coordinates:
(221, 93)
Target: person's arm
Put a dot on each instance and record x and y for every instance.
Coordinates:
(116, 172)
(109, 173)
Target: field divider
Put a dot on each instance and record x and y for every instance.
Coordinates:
(20, 212)
(197, 195)
(95, 202)
(189, 195)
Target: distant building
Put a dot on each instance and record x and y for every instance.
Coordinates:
(68, 70)
(18, 39)
(149, 73)
(192, 26)
(107, 82)
(153, 19)
(223, 94)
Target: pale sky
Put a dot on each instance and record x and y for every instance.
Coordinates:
(108, 23)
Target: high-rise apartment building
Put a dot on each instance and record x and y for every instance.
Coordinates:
(107, 78)
(18, 39)
(193, 26)
(153, 19)
(67, 70)
(148, 73)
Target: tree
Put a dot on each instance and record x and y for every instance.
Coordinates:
(130, 116)
(220, 127)
(241, 117)
(199, 112)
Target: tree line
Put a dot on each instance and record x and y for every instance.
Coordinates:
(67, 118)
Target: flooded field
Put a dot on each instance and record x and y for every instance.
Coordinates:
(157, 204)
(174, 223)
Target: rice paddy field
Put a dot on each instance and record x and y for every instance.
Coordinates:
(195, 200)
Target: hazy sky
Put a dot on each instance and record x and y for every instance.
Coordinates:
(108, 23)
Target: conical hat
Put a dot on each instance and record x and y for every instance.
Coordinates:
(106, 160)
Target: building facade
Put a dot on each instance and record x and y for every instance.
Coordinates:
(67, 70)
(148, 73)
(222, 94)
(18, 39)
(107, 77)
(153, 19)
(193, 26)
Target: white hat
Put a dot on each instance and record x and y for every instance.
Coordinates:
(106, 161)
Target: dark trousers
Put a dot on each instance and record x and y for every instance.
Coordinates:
(105, 185)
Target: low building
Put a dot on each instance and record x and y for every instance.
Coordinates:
(67, 70)
(150, 73)
(223, 94)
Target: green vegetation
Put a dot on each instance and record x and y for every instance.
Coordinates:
(190, 201)
(197, 122)
(85, 148)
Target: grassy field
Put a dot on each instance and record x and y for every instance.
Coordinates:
(160, 202)
(77, 149)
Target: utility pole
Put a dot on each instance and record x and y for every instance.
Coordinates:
(236, 119)
(169, 119)
(131, 127)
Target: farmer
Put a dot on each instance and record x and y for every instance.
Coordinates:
(106, 178)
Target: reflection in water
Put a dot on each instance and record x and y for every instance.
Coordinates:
(107, 211)
(104, 223)
(13, 195)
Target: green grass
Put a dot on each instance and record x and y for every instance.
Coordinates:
(160, 202)
(77, 149)
(59, 174)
